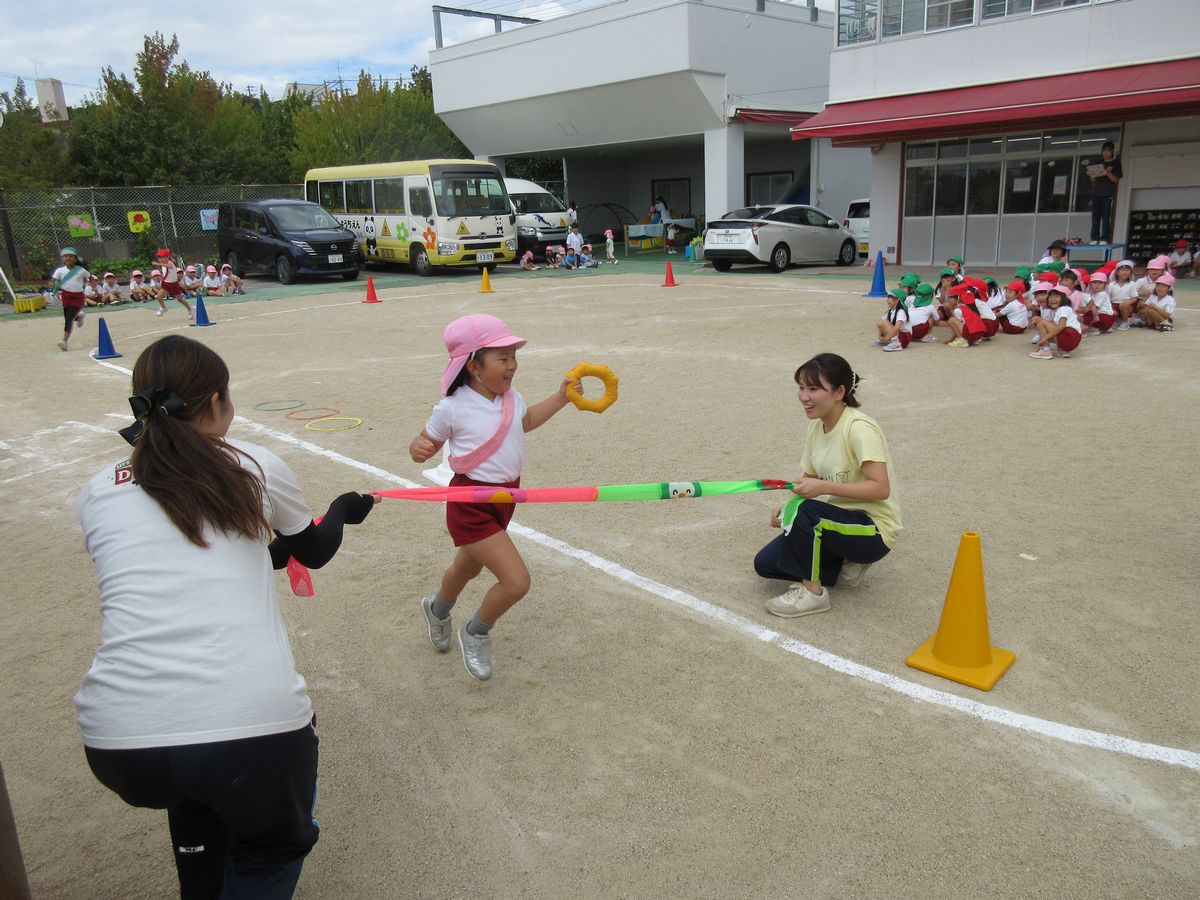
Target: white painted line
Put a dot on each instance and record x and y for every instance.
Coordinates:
(1058, 731)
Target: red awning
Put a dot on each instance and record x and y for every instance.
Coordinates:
(1082, 98)
(774, 116)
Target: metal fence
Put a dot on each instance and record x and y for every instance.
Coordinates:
(101, 221)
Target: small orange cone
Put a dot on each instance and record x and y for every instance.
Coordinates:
(372, 297)
(485, 286)
(670, 282)
(961, 650)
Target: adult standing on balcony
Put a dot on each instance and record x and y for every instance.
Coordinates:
(1105, 175)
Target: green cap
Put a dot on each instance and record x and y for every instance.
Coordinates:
(924, 295)
(910, 279)
(948, 272)
(70, 250)
(957, 259)
(1024, 272)
(899, 293)
(990, 280)
(1057, 266)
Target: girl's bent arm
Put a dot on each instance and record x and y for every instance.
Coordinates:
(539, 414)
(423, 447)
(876, 487)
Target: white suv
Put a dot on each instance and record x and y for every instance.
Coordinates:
(858, 221)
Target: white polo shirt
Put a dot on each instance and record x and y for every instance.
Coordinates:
(466, 419)
(192, 646)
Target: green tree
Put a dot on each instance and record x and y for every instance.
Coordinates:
(377, 123)
(32, 154)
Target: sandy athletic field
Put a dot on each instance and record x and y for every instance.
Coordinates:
(650, 730)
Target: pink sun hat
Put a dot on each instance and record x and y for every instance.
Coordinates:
(608, 233)
(1159, 262)
(1040, 286)
(136, 273)
(1100, 277)
(467, 334)
(1166, 279)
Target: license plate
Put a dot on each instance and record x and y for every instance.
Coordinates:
(862, 248)
(724, 238)
(335, 258)
(485, 256)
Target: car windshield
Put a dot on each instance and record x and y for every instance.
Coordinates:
(469, 192)
(859, 211)
(537, 203)
(303, 217)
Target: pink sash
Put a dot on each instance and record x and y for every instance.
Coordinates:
(482, 453)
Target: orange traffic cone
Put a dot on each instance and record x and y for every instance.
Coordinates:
(670, 281)
(961, 650)
(372, 297)
(485, 286)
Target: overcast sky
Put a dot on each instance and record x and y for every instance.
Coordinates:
(238, 42)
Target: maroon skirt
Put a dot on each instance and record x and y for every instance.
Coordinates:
(469, 523)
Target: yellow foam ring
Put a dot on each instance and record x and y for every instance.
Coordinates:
(501, 497)
(312, 423)
(591, 370)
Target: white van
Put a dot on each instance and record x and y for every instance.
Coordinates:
(858, 220)
(541, 217)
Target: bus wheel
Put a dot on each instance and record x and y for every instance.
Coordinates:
(420, 261)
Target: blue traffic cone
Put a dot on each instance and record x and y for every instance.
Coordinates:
(201, 314)
(106, 350)
(879, 284)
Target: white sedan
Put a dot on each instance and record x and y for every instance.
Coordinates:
(778, 236)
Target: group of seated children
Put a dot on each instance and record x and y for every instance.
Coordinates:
(1055, 304)
(575, 254)
(107, 291)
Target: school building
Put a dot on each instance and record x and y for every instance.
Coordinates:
(981, 116)
(692, 100)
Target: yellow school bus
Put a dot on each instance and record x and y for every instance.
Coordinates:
(426, 212)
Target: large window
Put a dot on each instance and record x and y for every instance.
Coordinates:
(1047, 5)
(902, 16)
(857, 21)
(389, 196)
(1041, 172)
(763, 188)
(677, 192)
(941, 14)
(872, 20)
(333, 196)
(358, 197)
(994, 9)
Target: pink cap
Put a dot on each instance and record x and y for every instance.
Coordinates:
(1166, 279)
(136, 273)
(467, 334)
(227, 266)
(528, 254)
(1062, 290)
(1100, 277)
(1040, 286)
(109, 275)
(1159, 262)
(190, 269)
(212, 269)
(608, 233)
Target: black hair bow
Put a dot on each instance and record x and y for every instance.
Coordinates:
(144, 404)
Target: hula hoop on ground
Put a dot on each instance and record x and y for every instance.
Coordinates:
(267, 406)
(324, 412)
(353, 419)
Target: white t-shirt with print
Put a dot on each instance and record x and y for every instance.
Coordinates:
(192, 645)
(1016, 312)
(1066, 314)
(466, 419)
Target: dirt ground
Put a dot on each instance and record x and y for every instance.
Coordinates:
(651, 730)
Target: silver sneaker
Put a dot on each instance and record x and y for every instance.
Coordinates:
(439, 629)
(853, 574)
(476, 653)
(799, 601)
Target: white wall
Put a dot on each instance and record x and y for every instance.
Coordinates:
(1121, 32)
(842, 174)
(886, 167)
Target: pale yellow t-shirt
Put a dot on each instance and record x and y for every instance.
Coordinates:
(838, 457)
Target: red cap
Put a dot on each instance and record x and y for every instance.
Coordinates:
(163, 253)
(1017, 285)
(1049, 277)
(1181, 244)
(963, 290)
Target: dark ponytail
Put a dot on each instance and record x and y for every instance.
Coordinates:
(830, 371)
(196, 478)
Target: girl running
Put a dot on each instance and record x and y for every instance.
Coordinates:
(849, 516)
(193, 703)
(484, 420)
(170, 286)
(70, 279)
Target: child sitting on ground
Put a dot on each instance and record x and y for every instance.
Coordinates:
(191, 283)
(230, 283)
(527, 261)
(1014, 314)
(139, 289)
(586, 260)
(895, 330)
(551, 257)
(212, 282)
(1060, 326)
(921, 314)
(1159, 308)
(92, 295)
(110, 291)
(1181, 261)
(1097, 309)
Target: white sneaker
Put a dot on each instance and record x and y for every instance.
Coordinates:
(79, 321)
(62, 345)
(476, 653)
(929, 339)
(893, 346)
(1036, 339)
(877, 343)
(192, 315)
(853, 573)
(439, 629)
(799, 601)
(159, 312)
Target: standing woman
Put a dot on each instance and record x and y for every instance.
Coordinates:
(1104, 191)
(849, 516)
(193, 703)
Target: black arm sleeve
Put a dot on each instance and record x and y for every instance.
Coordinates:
(317, 544)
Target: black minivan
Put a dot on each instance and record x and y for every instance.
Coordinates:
(288, 237)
